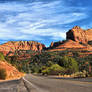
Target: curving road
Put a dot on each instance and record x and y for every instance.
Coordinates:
(31, 83)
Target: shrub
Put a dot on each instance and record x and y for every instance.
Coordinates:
(3, 74)
(45, 71)
(35, 69)
(2, 56)
(80, 74)
(55, 69)
(69, 63)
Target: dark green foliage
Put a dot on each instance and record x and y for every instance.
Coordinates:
(3, 74)
(43, 62)
(69, 64)
(90, 42)
(48, 59)
(2, 56)
(54, 69)
(84, 63)
(22, 66)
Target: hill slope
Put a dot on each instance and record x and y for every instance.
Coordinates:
(11, 71)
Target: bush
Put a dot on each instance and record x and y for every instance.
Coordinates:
(2, 56)
(80, 74)
(55, 69)
(69, 63)
(3, 74)
(35, 69)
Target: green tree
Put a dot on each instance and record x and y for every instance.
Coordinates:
(2, 56)
(69, 63)
(55, 69)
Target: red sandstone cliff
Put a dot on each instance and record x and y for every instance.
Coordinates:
(79, 35)
(20, 45)
(76, 38)
(69, 44)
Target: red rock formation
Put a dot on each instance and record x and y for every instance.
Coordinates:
(12, 72)
(79, 35)
(69, 44)
(20, 45)
(52, 44)
(76, 38)
(55, 44)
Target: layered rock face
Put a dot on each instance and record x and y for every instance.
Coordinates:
(69, 44)
(20, 45)
(79, 35)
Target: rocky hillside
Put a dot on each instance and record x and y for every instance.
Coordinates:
(11, 71)
(76, 38)
(12, 46)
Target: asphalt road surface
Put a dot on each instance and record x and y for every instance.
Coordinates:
(31, 83)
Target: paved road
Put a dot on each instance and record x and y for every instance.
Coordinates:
(31, 83)
(45, 84)
(13, 86)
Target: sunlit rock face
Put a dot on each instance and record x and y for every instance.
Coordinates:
(12, 72)
(20, 45)
(76, 38)
(79, 35)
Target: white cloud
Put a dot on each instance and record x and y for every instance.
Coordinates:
(12, 6)
(32, 21)
(54, 33)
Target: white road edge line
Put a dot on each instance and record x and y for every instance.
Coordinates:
(27, 81)
(38, 89)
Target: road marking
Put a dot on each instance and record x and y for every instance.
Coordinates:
(34, 86)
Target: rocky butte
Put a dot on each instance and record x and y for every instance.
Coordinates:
(20, 45)
(79, 35)
(76, 38)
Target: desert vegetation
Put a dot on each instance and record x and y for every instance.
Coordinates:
(2, 56)
(52, 63)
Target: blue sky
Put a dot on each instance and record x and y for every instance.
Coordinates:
(42, 20)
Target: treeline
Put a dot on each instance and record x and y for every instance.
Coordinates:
(54, 63)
